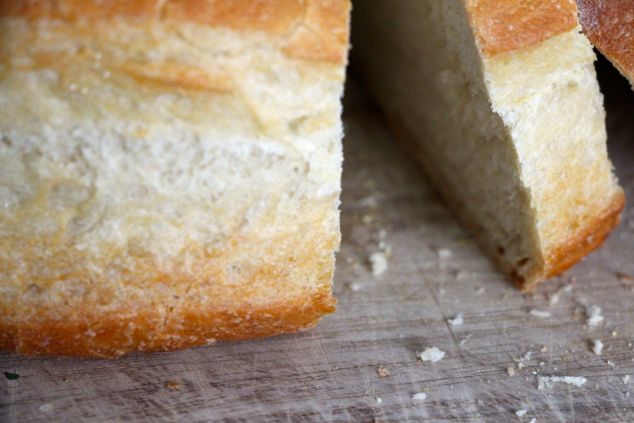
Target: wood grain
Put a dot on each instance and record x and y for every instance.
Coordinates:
(331, 373)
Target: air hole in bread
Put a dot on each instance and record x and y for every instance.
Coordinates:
(522, 262)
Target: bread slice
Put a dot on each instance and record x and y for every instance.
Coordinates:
(169, 171)
(500, 102)
(610, 27)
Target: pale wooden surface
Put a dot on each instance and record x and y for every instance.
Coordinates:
(331, 373)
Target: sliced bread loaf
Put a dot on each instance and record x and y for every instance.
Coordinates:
(499, 101)
(169, 171)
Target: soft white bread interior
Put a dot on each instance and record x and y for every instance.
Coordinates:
(169, 171)
(500, 102)
(609, 24)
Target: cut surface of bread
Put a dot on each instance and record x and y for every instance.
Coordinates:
(609, 24)
(500, 103)
(169, 171)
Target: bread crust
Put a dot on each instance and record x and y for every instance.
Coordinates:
(309, 30)
(501, 26)
(586, 239)
(610, 27)
(111, 335)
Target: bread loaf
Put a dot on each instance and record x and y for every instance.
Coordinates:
(609, 24)
(500, 102)
(169, 171)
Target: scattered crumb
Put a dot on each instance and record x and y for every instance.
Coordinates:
(419, 397)
(172, 384)
(544, 349)
(597, 347)
(521, 413)
(614, 334)
(542, 364)
(45, 408)
(594, 316)
(457, 320)
(378, 262)
(533, 420)
(549, 381)
(554, 299)
(444, 253)
(432, 354)
(354, 286)
(624, 277)
(383, 371)
(510, 371)
(379, 400)
(626, 379)
(540, 313)
(465, 339)
(611, 364)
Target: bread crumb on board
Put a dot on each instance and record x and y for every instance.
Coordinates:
(383, 371)
(554, 299)
(378, 263)
(432, 354)
(419, 397)
(540, 313)
(457, 320)
(510, 371)
(597, 347)
(594, 316)
(549, 381)
(626, 379)
(444, 253)
(521, 413)
(173, 385)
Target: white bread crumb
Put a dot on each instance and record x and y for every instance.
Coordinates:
(533, 420)
(594, 316)
(626, 379)
(549, 381)
(520, 413)
(444, 253)
(540, 313)
(432, 354)
(457, 320)
(597, 347)
(378, 262)
(379, 400)
(419, 397)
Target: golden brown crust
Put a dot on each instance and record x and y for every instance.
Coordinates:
(504, 25)
(111, 335)
(610, 27)
(585, 240)
(309, 30)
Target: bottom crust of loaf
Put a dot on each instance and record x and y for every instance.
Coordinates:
(113, 335)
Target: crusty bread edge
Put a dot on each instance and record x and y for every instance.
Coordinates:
(603, 26)
(314, 30)
(500, 27)
(107, 337)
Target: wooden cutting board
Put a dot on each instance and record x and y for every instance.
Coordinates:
(360, 364)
